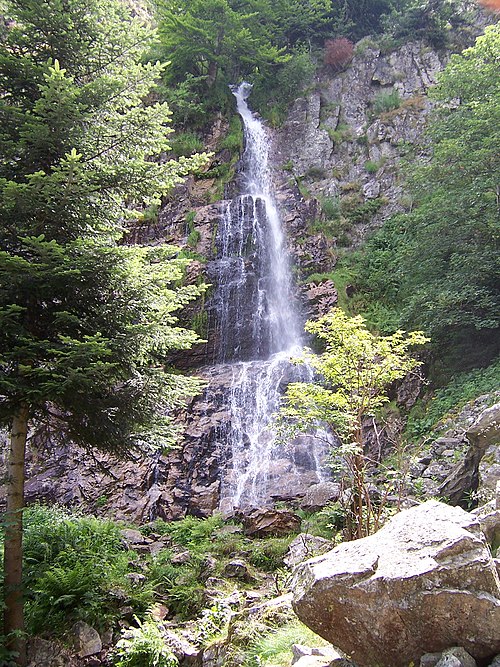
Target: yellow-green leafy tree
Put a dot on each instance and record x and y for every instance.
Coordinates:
(354, 373)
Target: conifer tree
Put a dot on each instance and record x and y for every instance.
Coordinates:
(86, 322)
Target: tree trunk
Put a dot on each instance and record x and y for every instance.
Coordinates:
(14, 613)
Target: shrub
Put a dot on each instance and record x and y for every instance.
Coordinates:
(371, 167)
(268, 554)
(72, 565)
(385, 102)
(338, 53)
(330, 207)
(362, 212)
(272, 97)
(186, 143)
(295, 75)
(143, 646)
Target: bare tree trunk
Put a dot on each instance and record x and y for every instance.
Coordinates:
(14, 613)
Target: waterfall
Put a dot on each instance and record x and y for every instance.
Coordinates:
(258, 332)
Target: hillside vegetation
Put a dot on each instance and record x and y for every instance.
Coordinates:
(89, 321)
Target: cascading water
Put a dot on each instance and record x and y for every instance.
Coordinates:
(258, 332)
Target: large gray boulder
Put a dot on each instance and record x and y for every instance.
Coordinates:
(425, 582)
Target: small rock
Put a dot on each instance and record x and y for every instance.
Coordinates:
(319, 495)
(43, 653)
(267, 521)
(133, 537)
(135, 577)
(456, 657)
(107, 637)
(252, 597)
(127, 612)
(496, 662)
(183, 650)
(159, 612)
(237, 569)
(327, 654)
(181, 558)
(299, 651)
(312, 661)
(86, 639)
(430, 659)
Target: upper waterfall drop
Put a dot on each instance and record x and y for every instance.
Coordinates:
(259, 330)
(271, 288)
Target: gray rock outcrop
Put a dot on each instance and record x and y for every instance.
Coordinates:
(423, 583)
(86, 639)
(483, 436)
(44, 653)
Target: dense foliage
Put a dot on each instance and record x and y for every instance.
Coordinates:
(437, 267)
(85, 322)
(214, 43)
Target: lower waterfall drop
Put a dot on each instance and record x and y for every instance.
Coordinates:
(259, 332)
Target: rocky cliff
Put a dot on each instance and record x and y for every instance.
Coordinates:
(337, 168)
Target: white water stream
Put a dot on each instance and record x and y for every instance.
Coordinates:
(259, 332)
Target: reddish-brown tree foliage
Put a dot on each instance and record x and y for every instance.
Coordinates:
(338, 52)
(491, 4)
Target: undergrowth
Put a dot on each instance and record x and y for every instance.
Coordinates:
(274, 647)
(424, 418)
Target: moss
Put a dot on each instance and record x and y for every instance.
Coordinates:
(341, 133)
(233, 141)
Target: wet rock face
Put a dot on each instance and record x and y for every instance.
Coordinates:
(423, 583)
(166, 485)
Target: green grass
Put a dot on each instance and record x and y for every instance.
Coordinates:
(385, 102)
(233, 140)
(449, 400)
(275, 647)
(330, 207)
(186, 143)
(193, 238)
